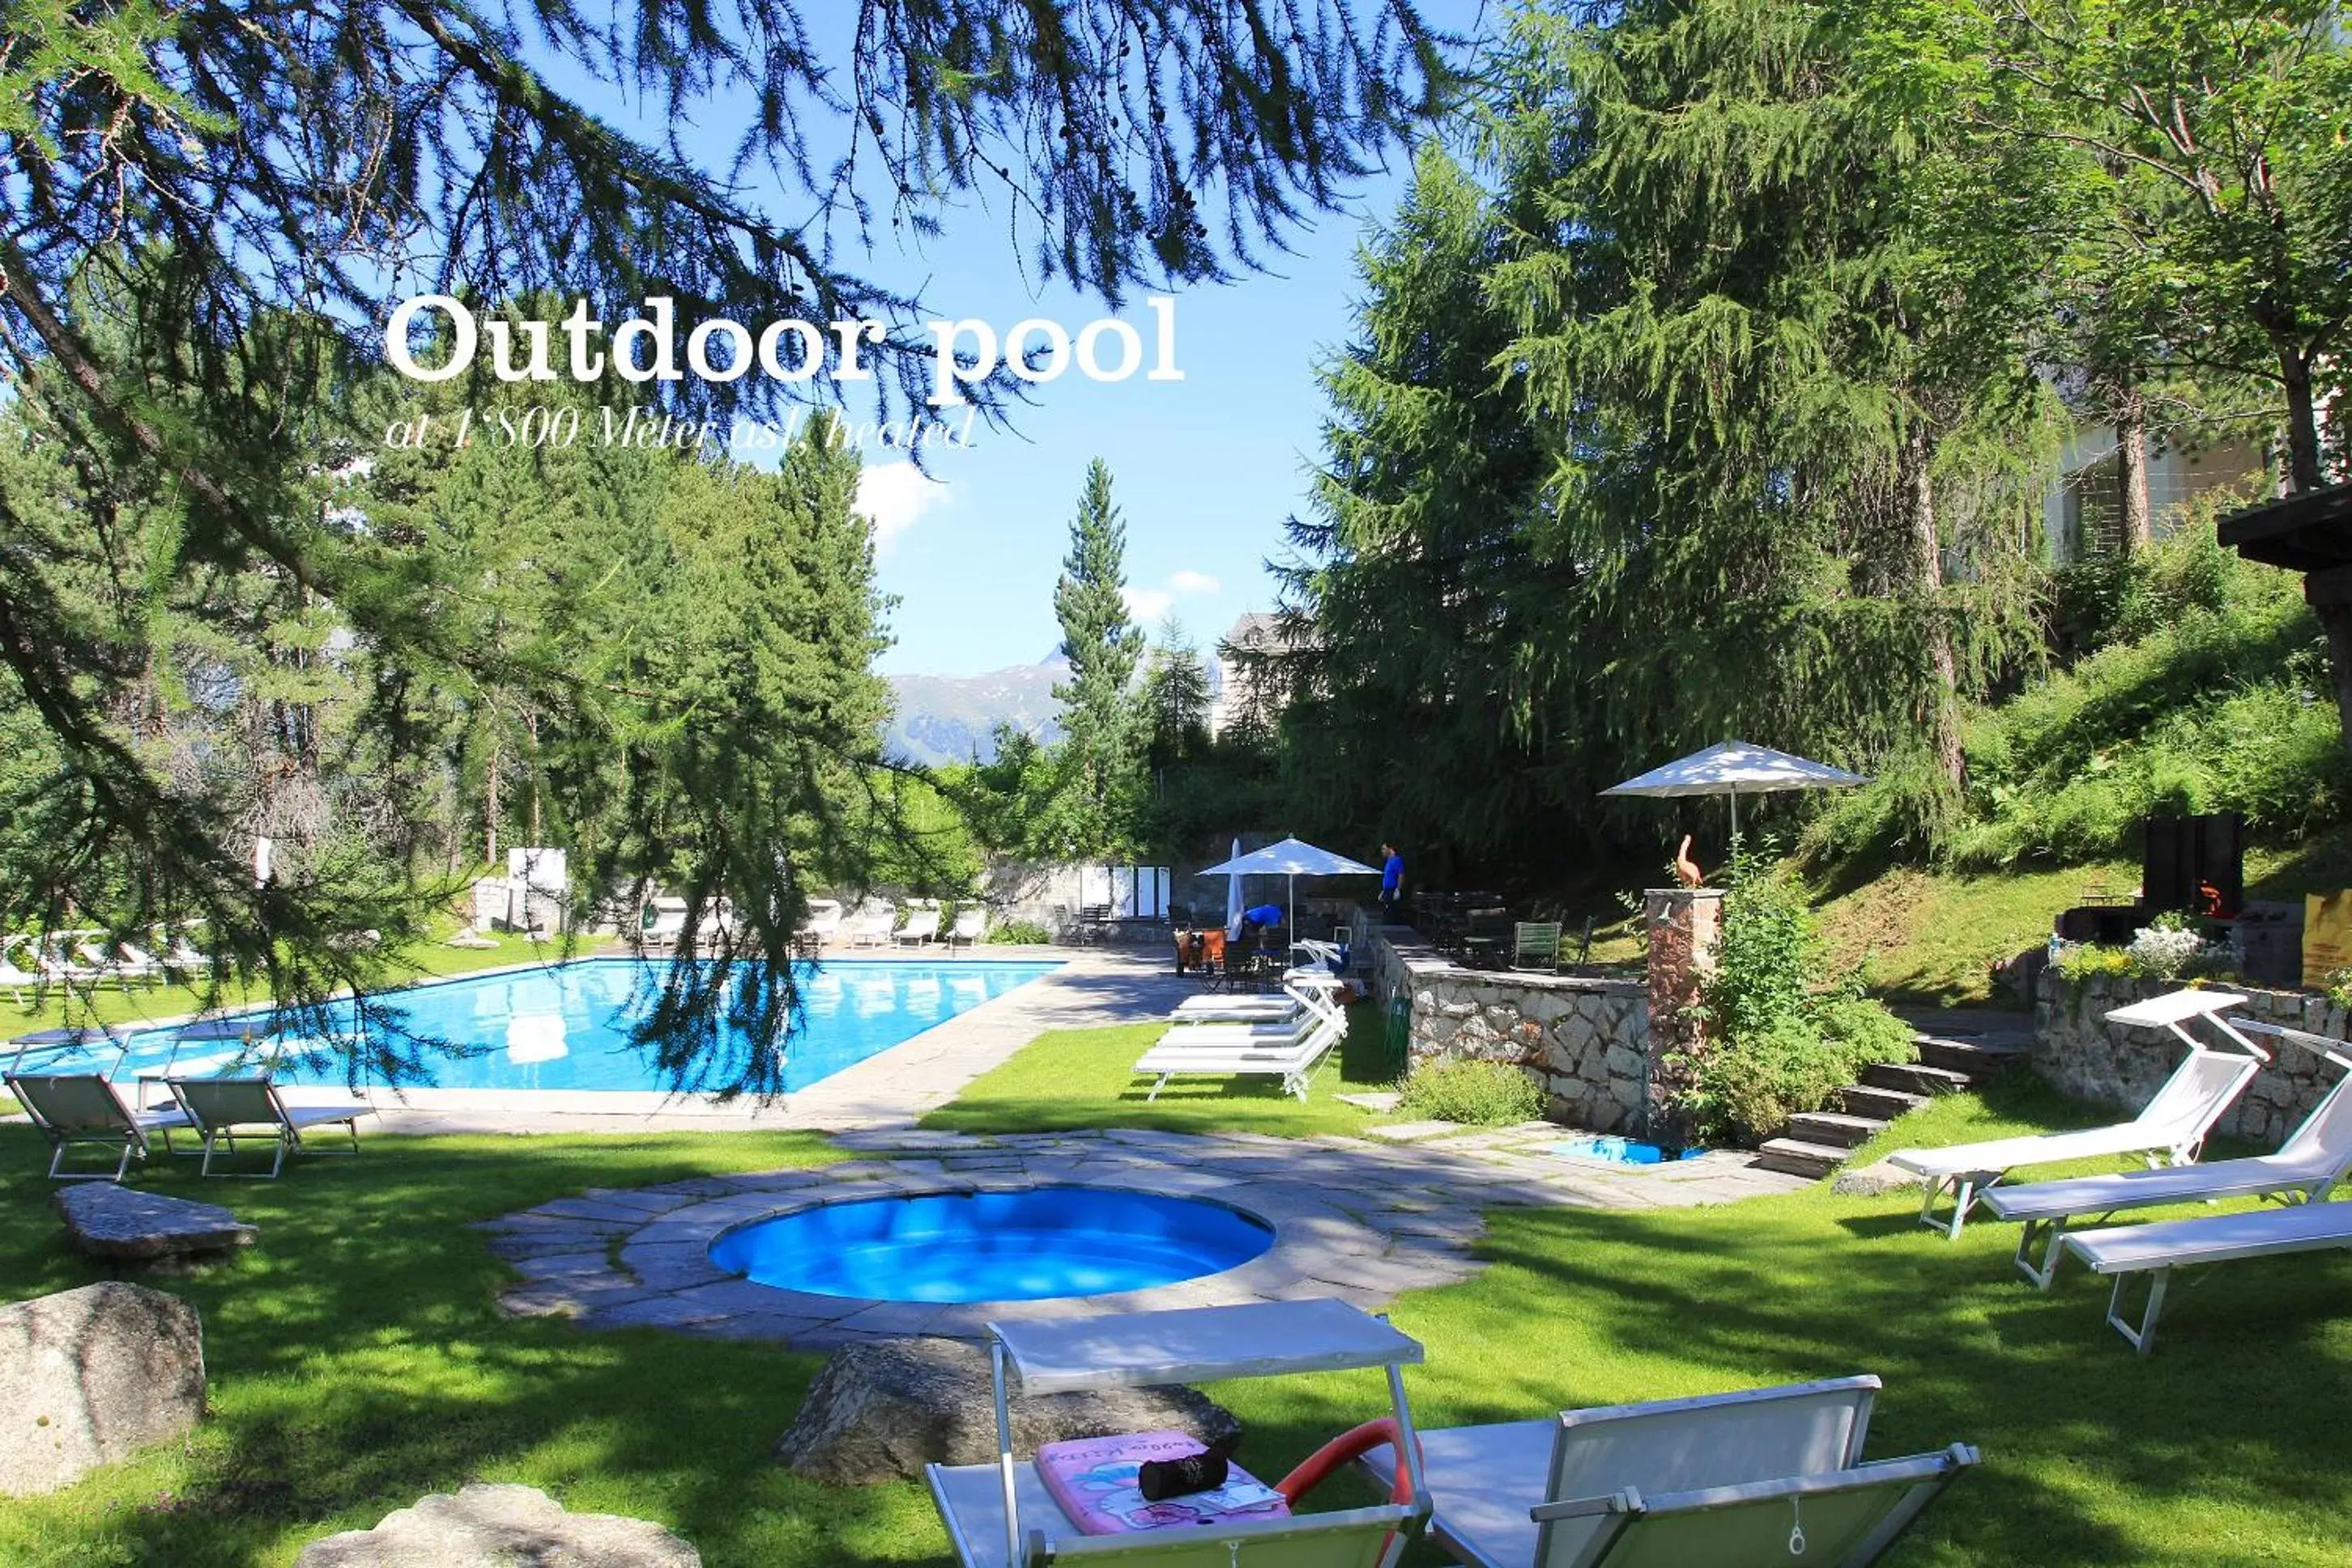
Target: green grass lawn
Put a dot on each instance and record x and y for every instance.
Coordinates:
(358, 1361)
(1082, 1077)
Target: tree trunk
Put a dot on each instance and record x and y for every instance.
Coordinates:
(2335, 619)
(2303, 466)
(1928, 567)
(490, 805)
(531, 722)
(2131, 471)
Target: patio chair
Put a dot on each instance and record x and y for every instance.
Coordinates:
(226, 1109)
(77, 1109)
(1755, 1477)
(1224, 1051)
(13, 980)
(922, 926)
(970, 925)
(180, 957)
(2126, 1251)
(2172, 1125)
(1535, 944)
(2304, 1168)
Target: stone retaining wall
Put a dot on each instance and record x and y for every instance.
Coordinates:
(2079, 1053)
(1584, 1041)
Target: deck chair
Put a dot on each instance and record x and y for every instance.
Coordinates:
(874, 928)
(970, 926)
(13, 980)
(1301, 995)
(2126, 1251)
(1291, 1060)
(226, 1109)
(1594, 1486)
(180, 956)
(2172, 1125)
(77, 1109)
(922, 926)
(822, 924)
(2315, 1157)
(970, 1499)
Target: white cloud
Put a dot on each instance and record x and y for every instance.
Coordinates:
(1191, 581)
(1147, 604)
(891, 496)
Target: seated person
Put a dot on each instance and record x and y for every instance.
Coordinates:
(1260, 921)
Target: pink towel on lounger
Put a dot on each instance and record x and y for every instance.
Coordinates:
(1094, 1480)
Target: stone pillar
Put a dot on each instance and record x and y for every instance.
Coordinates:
(1685, 926)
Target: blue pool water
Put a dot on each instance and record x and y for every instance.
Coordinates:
(994, 1247)
(566, 1026)
(1611, 1151)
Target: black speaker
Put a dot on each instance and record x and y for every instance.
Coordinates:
(2195, 864)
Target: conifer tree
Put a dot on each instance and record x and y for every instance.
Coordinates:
(1103, 648)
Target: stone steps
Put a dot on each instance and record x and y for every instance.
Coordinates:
(1976, 1057)
(1833, 1129)
(1914, 1078)
(1818, 1143)
(1800, 1158)
(1881, 1105)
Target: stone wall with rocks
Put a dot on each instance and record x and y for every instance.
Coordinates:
(2080, 1053)
(1584, 1041)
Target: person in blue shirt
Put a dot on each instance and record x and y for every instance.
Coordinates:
(1261, 918)
(1392, 883)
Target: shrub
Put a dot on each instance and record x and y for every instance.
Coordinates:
(1028, 934)
(1786, 1035)
(1479, 1093)
(2087, 959)
(2164, 952)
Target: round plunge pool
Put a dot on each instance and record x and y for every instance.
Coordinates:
(1021, 1246)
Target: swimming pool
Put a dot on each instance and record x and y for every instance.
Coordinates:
(1024, 1245)
(566, 1026)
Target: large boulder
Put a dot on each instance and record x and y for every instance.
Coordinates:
(488, 1526)
(883, 1410)
(91, 1376)
(107, 1220)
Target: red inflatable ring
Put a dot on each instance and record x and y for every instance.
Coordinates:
(1347, 1445)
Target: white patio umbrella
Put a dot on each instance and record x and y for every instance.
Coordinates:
(1291, 859)
(1234, 897)
(1733, 767)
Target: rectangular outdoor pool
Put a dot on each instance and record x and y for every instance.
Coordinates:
(567, 1025)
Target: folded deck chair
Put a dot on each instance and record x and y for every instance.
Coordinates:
(2314, 1158)
(1702, 1480)
(84, 1109)
(13, 980)
(2172, 1125)
(1202, 1053)
(2156, 1250)
(922, 926)
(1301, 995)
(226, 1109)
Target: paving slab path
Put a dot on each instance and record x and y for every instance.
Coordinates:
(1360, 1221)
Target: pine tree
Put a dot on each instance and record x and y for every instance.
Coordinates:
(1103, 648)
(1175, 699)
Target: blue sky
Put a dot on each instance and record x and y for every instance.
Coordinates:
(1204, 470)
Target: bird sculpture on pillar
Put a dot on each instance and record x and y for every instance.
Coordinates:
(1687, 869)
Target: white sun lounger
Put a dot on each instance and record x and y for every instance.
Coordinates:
(84, 1110)
(2173, 1124)
(874, 929)
(922, 926)
(13, 980)
(2156, 1250)
(226, 1108)
(1719, 1479)
(1301, 995)
(2314, 1158)
(970, 926)
(1209, 1052)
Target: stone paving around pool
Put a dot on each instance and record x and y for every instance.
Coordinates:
(1353, 1219)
